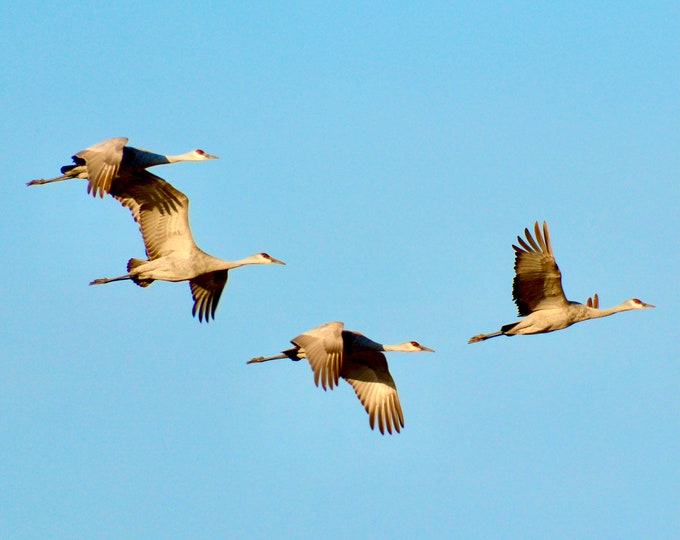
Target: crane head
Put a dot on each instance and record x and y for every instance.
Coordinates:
(415, 347)
(266, 258)
(636, 303)
(200, 155)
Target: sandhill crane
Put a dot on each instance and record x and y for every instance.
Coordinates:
(170, 248)
(103, 162)
(333, 352)
(537, 291)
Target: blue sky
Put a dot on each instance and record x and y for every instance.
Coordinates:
(390, 154)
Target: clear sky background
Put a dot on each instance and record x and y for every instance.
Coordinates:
(390, 154)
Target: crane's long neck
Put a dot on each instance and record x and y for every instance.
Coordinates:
(222, 264)
(243, 262)
(355, 339)
(596, 313)
(136, 158)
(401, 347)
(144, 158)
(187, 156)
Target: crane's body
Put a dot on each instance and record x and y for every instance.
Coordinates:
(162, 213)
(538, 294)
(105, 162)
(181, 267)
(334, 352)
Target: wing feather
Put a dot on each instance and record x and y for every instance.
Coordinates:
(160, 210)
(103, 163)
(323, 348)
(369, 375)
(538, 281)
(206, 291)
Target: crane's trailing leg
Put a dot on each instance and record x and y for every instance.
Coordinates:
(133, 275)
(265, 359)
(100, 281)
(293, 353)
(482, 337)
(40, 181)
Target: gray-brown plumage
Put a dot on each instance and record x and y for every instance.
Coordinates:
(103, 163)
(538, 294)
(333, 352)
(162, 213)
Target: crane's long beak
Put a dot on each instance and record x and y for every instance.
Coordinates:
(426, 349)
(281, 262)
(209, 156)
(644, 305)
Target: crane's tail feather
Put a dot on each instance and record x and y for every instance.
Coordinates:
(593, 302)
(131, 265)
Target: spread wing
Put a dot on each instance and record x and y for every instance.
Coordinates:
(206, 290)
(103, 163)
(323, 347)
(368, 374)
(161, 211)
(538, 281)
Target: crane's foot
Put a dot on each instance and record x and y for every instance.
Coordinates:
(36, 182)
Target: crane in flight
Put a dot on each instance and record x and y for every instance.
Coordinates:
(103, 163)
(333, 352)
(537, 291)
(170, 248)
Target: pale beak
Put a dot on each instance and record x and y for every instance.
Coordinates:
(647, 305)
(426, 349)
(209, 156)
(281, 262)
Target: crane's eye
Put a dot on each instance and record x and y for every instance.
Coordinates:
(415, 344)
(266, 255)
(637, 301)
(200, 152)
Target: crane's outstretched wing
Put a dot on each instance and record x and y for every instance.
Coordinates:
(161, 211)
(323, 347)
(103, 163)
(368, 374)
(538, 281)
(206, 290)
